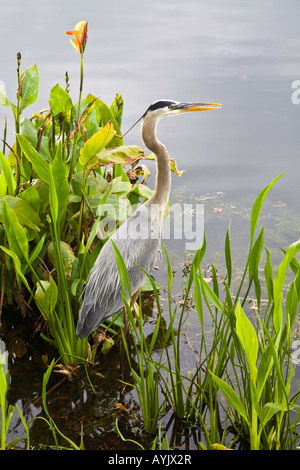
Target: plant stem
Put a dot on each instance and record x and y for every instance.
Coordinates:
(78, 116)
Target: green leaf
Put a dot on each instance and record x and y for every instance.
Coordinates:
(88, 153)
(25, 213)
(147, 287)
(60, 101)
(123, 155)
(51, 294)
(119, 207)
(269, 275)
(67, 256)
(9, 176)
(142, 191)
(117, 108)
(31, 196)
(269, 410)
(29, 130)
(39, 165)
(17, 266)
(16, 234)
(5, 101)
(264, 368)
(228, 256)
(95, 181)
(61, 183)
(230, 396)
(37, 249)
(292, 302)
(53, 199)
(248, 338)
(29, 86)
(104, 115)
(119, 187)
(258, 205)
(174, 168)
(209, 293)
(279, 282)
(46, 295)
(254, 259)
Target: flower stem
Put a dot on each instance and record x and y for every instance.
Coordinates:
(78, 117)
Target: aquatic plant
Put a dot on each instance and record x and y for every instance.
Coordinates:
(245, 360)
(62, 172)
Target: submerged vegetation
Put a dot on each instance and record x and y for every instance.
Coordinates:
(66, 163)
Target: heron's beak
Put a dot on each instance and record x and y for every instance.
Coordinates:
(189, 107)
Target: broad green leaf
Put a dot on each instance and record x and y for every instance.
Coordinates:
(142, 190)
(117, 186)
(46, 295)
(17, 266)
(9, 176)
(230, 396)
(51, 294)
(29, 86)
(124, 155)
(5, 101)
(269, 410)
(66, 254)
(31, 196)
(16, 234)
(39, 165)
(147, 287)
(29, 130)
(105, 115)
(25, 213)
(117, 108)
(60, 101)
(95, 181)
(94, 145)
(248, 338)
(107, 345)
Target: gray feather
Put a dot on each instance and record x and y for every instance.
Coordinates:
(138, 241)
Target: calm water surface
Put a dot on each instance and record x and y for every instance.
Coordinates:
(241, 54)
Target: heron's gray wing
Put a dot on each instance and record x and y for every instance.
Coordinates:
(102, 296)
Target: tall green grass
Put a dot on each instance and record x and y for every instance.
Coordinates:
(246, 360)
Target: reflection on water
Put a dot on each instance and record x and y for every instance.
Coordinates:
(246, 57)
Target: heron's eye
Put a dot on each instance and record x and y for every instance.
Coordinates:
(171, 106)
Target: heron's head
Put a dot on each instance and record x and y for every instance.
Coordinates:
(164, 108)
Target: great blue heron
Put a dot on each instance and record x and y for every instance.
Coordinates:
(137, 239)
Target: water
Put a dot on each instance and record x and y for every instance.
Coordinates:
(245, 56)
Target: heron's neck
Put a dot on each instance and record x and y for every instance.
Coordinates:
(163, 175)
